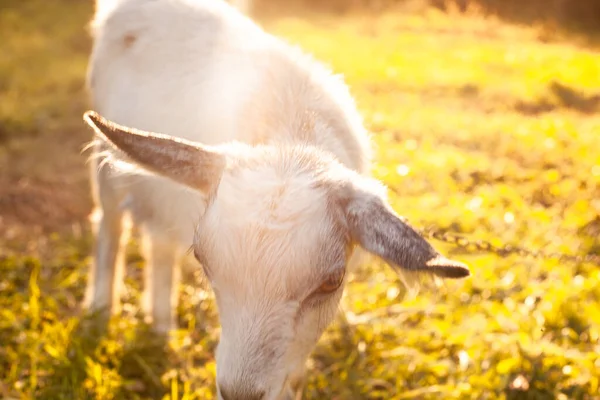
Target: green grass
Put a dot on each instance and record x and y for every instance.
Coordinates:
(480, 126)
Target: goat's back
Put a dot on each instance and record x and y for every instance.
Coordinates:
(175, 66)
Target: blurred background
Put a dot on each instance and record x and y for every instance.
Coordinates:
(486, 118)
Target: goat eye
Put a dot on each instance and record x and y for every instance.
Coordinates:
(332, 282)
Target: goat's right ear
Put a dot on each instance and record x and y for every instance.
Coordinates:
(192, 164)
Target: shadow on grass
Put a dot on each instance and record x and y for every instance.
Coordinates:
(561, 96)
(145, 360)
(580, 16)
(574, 18)
(94, 364)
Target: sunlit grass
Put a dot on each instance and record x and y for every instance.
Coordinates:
(471, 133)
(41, 63)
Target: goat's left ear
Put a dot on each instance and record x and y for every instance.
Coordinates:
(192, 164)
(379, 230)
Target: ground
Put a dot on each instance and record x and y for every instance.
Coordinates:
(484, 127)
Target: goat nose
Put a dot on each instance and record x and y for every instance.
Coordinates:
(240, 393)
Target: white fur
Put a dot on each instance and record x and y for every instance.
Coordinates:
(288, 208)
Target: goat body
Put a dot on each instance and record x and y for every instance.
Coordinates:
(261, 165)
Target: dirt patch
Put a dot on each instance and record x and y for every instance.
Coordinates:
(40, 206)
(44, 184)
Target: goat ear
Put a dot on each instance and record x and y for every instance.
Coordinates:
(379, 230)
(191, 164)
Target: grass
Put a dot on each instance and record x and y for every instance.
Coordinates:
(483, 127)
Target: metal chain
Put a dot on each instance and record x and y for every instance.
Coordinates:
(443, 235)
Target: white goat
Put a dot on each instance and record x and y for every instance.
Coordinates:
(264, 172)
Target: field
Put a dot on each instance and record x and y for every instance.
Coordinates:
(487, 128)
